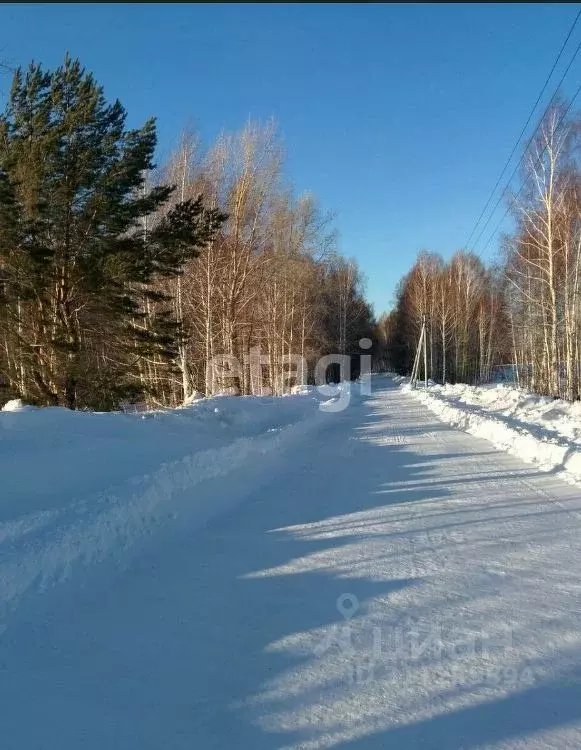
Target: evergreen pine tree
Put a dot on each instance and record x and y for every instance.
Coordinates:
(77, 260)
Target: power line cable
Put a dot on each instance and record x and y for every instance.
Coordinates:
(528, 143)
(525, 126)
(538, 160)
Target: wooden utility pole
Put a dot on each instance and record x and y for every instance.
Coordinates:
(425, 352)
(416, 368)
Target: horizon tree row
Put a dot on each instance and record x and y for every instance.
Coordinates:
(461, 303)
(523, 311)
(270, 280)
(120, 281)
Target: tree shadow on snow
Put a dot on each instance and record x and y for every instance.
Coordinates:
(231, 640)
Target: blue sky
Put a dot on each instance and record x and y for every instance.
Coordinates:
(399, 117)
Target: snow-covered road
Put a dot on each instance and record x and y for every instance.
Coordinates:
(394, 583)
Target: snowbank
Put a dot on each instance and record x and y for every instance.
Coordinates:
(78, 488)
(537, 429)
(16, 405)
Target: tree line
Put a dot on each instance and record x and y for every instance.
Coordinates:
(123, 281)
(524, 310)
(460, 302)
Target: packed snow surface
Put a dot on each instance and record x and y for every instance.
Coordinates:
(263, 574)
(540, 430)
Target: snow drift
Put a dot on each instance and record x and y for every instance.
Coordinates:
(538, 429)
(79, 487)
